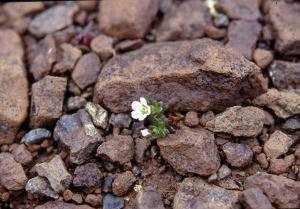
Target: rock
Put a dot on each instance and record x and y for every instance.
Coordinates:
(47, 101)
(87, 175)
(120, 120)
(103, 46)
(39, 185)
(112, 202)
(237, 155)
(200, 194)
(93, 200)
(191, 151)
(19, 9)
(279, 166)
(285, 75)
(53, 19)
(119, 149)
(61, 205)
(205, 117)
(87, 5)
(13, 95)
(65, 35)
(221, 20)
(56, 173)
(224, 172)
(67, 195)
(185, 21)
(76, 102)
(278, 144)
(244, 9)
(149, 198)
(262, 160)
(12, 175)
(291, 124)
(282, 15)
(127, 19)
(98, 114)
(177, 66)
(191, 119)
(22, 155)
(77, 198)
(141, 145)
(122, 183)
(36, 136)
(78, 134)
(129, 45)
(284, 104)
(86, 70)
(281, 191)
(262, 57)
(69, 56)
(253, 198)
(107, 184)
(43, 57)
(238, 121)
(242, 36)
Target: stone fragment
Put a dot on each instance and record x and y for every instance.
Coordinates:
(122, 183)
(87, 5)
(76, 102)
(204, 195)
(242, 36)
(78, 133)
(119, 149)
(279, 166)
(112, 202)
(237, 155)
(36, 136)
(191, 119)
(262, 57)
(149, 198)
(19, 9)
(127, 18)
(224, 172)
(39, 185)
(191, 151)
(281, 191)
(107, 184)
(93, 200)
(238, 121)
(291, 124)
(77, 198)
(53, 19)
(216, 77)
(284, 104)
(56, 173)
(120, 120)
(253, 198)
(61, 205)
(141, 145)
(86, 70)
(278, 144)
(221, 20)
(87, 175)
(67, 194)
(262, 160)
(103, 46)
(47, 101)
(282, 17)
(98, 114)
(129, 45)
(13, 86)
(22, 155)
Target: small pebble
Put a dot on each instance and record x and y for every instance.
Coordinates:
(77, 198)
(67, 195)
(221, 21)
(112, 202)
(107, 184)
(75, 103)
(36, 136)
(120, 120)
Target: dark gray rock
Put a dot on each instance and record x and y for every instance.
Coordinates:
(112, 202)
(120, 120)
(36, 136)
(87, 175)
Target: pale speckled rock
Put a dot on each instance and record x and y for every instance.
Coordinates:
(61, 205)
(98, 114)
(39, 185)
(149, 198)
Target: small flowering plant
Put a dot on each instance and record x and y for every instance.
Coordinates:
(153, 113)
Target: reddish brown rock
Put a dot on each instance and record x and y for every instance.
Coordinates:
(173, 71)
(127, 18)
(86, 70)
(279, 166)
(87, 175)
(141, 145)
(19, 9)
(47, 101)
(103, 46)
(237, 155)
(122, 183)
(242, 36)
(22, 155)
(191, 151)
(191, 119)
(93, 200)
(282, 17)
(262, 57)
(87, 5)
(262, 160)
(253, 198)
(61, 205)
(281, 191)
(13, 86)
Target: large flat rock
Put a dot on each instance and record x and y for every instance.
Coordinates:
(185, 75)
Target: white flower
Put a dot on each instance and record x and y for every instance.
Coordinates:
(140, 109)
(146, 132)
(211, 4)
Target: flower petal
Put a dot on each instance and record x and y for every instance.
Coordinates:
(136, 105)
(145, 132)
(143, 101)
(142, 117)
(136, 114)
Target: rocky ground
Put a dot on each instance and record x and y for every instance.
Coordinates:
(69, 72)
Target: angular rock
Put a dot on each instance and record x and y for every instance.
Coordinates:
(119, 149)
(262, 57)
(12, 175)
(149, 198)
(103, 46)
(200, 194)
(19, 9)
(285, 75)
(238, 155)
(141, 145)
(221, 20)
(13, 86)
(224, 172)
(262, 160)
(61, 205)
(53, 19)
(121, 120)
(291, 124)
(93, 200)
(76, 102)
(39, 185)
(191, 119)
(191, 151)
(86, 70)
(253, 198)
(281, 191)
(122, 183)
(127, 18)
(22, 155)
(238, 121)
(98, 114)
(87, 175)
(242, 36)
(284, 104)
(216, 77)
(280, 166)
(278, 144)
(112, 202)
(78, 134)
(56, 173)
(282, 17)
(107, 184)
(36, 136)
(47, 101)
